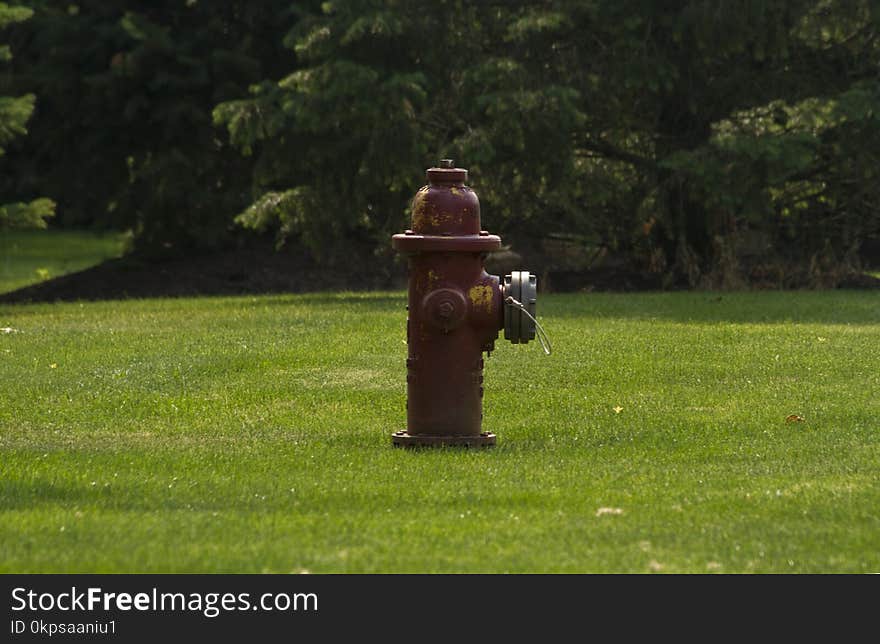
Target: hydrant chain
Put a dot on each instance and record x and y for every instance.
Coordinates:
(543, 338)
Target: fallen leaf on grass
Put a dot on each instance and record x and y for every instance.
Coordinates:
(794, 418)
(54, 365)
(602, 511)
(617, 409)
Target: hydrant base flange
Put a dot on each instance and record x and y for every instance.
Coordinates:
(405, 439)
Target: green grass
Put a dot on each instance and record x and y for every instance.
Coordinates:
(253, 434)
(31, 256)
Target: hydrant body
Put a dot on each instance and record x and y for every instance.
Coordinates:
(455, 312)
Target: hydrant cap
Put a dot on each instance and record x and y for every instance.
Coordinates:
(446, 172)
(523, 288)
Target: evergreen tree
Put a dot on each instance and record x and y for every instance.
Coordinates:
(124, 137)
(14, 115)
(707, 143)
(700, 141)
(748, 119)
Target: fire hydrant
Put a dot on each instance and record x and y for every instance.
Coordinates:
(455, 312)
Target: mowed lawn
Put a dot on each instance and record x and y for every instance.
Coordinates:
(31, 256)
(252, 434)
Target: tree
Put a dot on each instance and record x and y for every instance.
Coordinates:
(706, 144)
(124, 136)
(699, 141)
(748, 119)
(14, 115)
(383, 91)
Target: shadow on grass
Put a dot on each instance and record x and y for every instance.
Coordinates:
(257, 269)
(249, 270)
(372, 300)
(746, 307)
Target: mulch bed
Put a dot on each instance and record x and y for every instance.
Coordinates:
(257, 267)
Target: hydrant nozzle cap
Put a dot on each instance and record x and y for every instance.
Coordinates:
(447, 173)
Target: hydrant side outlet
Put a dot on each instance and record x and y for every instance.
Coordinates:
(456, 311)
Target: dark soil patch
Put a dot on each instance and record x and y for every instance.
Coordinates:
(253, 268)
(256, 267)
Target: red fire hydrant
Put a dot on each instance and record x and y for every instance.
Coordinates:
(455, 312)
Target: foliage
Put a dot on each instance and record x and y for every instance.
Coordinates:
(694, 139)
(712, 143)
(14, 115)
(124, 135)
(379, 97)
(31, 214)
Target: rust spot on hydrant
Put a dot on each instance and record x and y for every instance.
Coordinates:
(481, 297)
